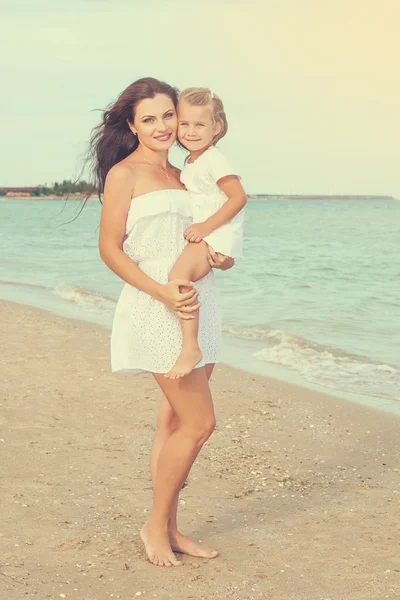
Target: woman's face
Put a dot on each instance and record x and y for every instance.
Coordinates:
(155, 122)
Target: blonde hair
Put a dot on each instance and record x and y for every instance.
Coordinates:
(200, 96)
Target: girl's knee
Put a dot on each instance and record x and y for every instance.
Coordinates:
(176, 273)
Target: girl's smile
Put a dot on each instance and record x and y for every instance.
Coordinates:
(196, 127)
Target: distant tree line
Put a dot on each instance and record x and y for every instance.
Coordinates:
(65, 187)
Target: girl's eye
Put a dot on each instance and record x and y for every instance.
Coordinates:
(183, 124)
(200, 125)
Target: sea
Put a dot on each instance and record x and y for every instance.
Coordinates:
(315, 301)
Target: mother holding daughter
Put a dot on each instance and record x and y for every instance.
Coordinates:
(146, 216)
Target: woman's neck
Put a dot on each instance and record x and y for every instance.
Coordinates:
(154, 157)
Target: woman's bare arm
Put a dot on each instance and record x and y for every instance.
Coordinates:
(116, 204)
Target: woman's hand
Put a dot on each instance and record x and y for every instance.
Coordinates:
(181, 303)
(220, 261)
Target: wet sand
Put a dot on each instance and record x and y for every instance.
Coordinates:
(298, 490)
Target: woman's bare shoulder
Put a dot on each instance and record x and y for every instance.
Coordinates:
(123, 172)
(120, 183)
(125, 177)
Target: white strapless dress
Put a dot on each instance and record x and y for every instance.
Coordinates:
(146, 336)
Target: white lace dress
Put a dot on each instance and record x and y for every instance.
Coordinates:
(146, 336)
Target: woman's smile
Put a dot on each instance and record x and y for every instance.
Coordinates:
(164, 137)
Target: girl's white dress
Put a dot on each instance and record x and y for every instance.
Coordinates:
(146, 336)
(200, 178)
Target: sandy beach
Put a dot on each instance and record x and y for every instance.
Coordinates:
(298, 490)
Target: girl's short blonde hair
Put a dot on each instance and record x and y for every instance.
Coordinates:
(199, 96)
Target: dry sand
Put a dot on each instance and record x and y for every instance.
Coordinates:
(298, 490)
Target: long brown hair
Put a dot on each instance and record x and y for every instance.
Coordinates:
(111, 141)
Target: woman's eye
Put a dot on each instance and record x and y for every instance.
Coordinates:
(169, 115)
(147, 121)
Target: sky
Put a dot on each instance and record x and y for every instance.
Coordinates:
(311, 88)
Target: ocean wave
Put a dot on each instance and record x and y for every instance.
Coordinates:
(89, 300)
(329, 367)
(249, 332)
(24, 285)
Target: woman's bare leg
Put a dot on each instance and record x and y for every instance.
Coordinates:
(191, 264)
(166, 425)
(191, 400)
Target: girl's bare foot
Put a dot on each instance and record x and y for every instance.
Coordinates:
(158, 547)
(187, 360)
(181, 543)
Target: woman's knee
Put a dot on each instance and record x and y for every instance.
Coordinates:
(203, 431)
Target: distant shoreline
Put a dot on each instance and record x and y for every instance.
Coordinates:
(316, 197)
(51, 197)
(257, 197)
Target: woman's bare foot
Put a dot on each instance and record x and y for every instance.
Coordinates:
(181, 543)
(187, 360)
(158, 547)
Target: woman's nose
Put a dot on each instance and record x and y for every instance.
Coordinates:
(162, 126)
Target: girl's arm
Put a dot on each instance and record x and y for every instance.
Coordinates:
(116, 204)
(234, 203)
(236, 200)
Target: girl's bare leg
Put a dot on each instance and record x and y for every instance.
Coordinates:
(166, 425)
(191, 401)
(191, 264)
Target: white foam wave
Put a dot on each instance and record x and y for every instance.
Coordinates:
(329, 368)
(90, 301)
(249, 332)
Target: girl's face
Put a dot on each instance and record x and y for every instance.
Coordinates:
(196, 127)
(155, 122)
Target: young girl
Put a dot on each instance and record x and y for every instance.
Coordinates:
(217, 201)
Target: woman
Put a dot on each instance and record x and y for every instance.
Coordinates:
(145, 213)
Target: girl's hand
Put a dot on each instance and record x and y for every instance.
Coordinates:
(220, 261)
(183, 304)
(196, 232)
